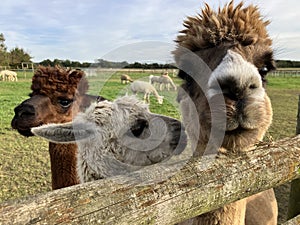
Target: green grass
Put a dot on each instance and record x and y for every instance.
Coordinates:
(288, 83)
(284, 94)
(112, 88)
(24, 162)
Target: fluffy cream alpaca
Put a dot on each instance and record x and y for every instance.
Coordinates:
(223, 58)
(117, 137)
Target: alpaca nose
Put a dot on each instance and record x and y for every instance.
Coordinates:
(235, 78)
(231, 93)
(231, 89)
(24, 110)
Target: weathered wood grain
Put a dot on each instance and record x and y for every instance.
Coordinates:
(200, 186)
(293, 221)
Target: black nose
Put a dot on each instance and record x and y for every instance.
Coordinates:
(24, 110)
(231, 89)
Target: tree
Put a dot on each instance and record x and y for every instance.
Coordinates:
(2, 45)
(46, 62)
(3, 53)
(17, 56)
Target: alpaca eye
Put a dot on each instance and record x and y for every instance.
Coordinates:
(263, 70)
(65, 103)
(139, 126)
(252, 86)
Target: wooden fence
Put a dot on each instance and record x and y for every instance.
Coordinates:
(285, 73)
(202, 185)
(195, 189)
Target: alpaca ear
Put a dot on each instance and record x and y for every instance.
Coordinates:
(62, 133)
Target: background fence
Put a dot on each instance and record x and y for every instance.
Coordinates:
(285, 73)
(172, 72)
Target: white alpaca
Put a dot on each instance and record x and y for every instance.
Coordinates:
(162, 81)
(166, 81)
(125, 78)
(8, 75)
(153, 79)
(147, 89)
(117, 138)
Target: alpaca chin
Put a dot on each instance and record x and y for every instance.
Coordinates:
(257, 119)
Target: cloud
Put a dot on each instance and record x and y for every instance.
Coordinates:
(146, 51)
(86, 30)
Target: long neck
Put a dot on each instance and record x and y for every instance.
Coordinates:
(173, 85)
(63, 165)
(155, 93)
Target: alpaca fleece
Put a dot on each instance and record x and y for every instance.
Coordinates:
(58, 94)
(223, 58)
(49, 80)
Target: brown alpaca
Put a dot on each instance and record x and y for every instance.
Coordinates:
(223, 58)
(58, 94)
(125, 78)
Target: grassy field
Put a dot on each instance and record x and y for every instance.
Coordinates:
(24, 162)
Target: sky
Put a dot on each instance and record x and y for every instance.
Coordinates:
(125, 30)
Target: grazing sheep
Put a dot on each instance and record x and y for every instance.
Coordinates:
(58, 94)
(153, 79)
(2, 76)
(166, 81)
(163, 80)
(224, 58)
(125, 79)
(147, 89)
(117, 138)
(8, 75)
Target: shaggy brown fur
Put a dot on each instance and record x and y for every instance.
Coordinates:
(48, 80)
(230, 24)
(211, 36)
(58, 94)
(231, 27)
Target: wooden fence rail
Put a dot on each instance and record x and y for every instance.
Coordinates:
(293, 221)
(200, 186)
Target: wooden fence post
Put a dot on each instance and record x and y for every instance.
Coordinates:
(294, 200)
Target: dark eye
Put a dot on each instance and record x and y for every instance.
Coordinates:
(252, 86)
(263, 70)
(65, 103)
(100, 98)
(138, 128)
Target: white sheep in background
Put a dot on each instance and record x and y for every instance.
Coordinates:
(166, 81)
(2, 76)
(8, 75)
(163, 80)
(146, 88)
(117, 138)
(125, 78)
(153, 79)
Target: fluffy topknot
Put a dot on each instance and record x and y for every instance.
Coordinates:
(234, 25)
(50, 80)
